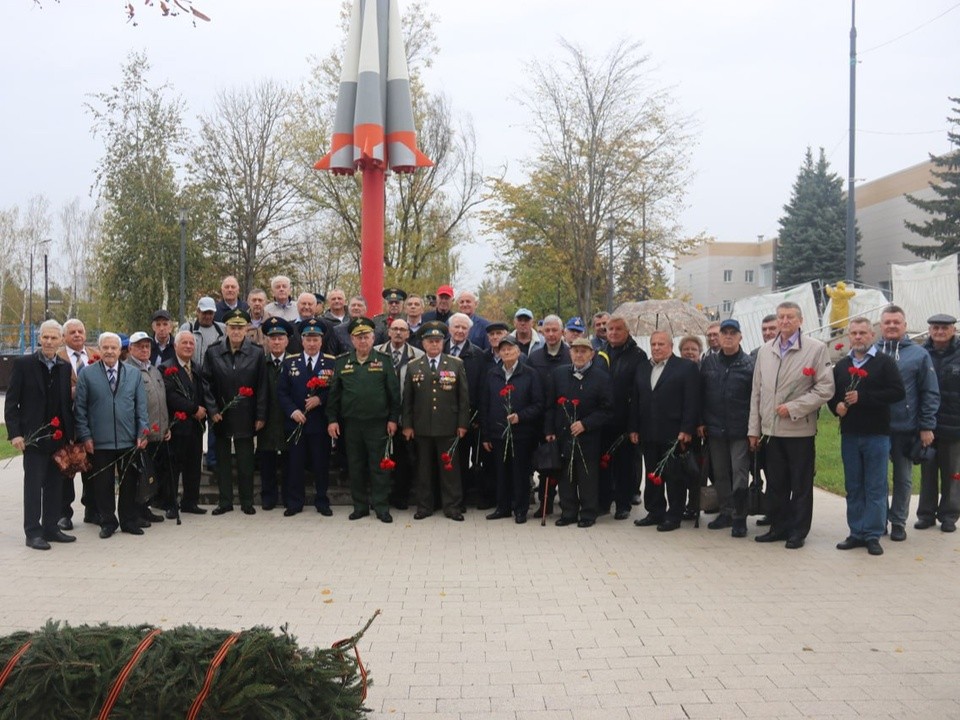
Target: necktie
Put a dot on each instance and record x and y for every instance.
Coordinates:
(276, 362)
(309, 366)
(112, 378)
(189, 372)
(77, 364)
(455, 351)
(433, 364)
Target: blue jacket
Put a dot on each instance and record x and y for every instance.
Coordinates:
(725, 395)
(918, 410)
(292, 391)
(113, 420)
(946, 363)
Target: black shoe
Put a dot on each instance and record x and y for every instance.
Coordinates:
(668, 526)
(141, 523)
(357, 514)
(948, 526)
(37, 543)
(386, 517)
(898, 533)
(689, 514)
(720, 522)
(151, 516)
(106, 532)
(770, 536)
(763, 522)
(520, 519)
(290, 512)
(221, 509)
(196, 510)
(924, 523)
(421, 515)
(65, 523)
(498, 515)
(874, 547)
(249, 510)
(850, 543)
(585, 523)
(564, 521)
(325, 511)
(739, 529)
(647, 521)
(59, 537)
(131, 529)
(621, 515)
(268, 506)
(171, 514)
(456, 517)
(794, 542)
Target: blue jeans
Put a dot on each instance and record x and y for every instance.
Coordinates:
(865, 479)
(900, 444)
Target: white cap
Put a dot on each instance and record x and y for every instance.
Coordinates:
(206, 304)
(138, 336)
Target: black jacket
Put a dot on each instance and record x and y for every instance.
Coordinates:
(595, 403)
(545, 363)
(623, 362)
(881, 388)
(660, 414)
(725, 395)
(526, 399)
(475, 363)
(224, 373)
(946, 363)
(29, 405)
(183, 395)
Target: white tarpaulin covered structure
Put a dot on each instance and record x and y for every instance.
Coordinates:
(926, 288)
(751, 311)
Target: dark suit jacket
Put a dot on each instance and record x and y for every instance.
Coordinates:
(26, 408)
(292, 391)
(223, 375)
(436, 404)
(661, 414)
(183, 395)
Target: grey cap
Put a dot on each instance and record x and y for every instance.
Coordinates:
(508, 340)
(941, 319)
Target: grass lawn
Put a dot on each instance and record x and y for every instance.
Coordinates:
(829, 465)
(6, 449)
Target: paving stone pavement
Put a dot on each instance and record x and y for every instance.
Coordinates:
(487, 619)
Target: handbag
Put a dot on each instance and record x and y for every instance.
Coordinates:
(146, 478)
(546, 458)
(71, 459)
(709, 501)
(756, 499)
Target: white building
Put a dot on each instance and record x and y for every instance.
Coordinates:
(717, 273)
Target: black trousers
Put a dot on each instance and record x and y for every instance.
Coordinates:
(620, 481)
(513, 474)
(186, 452)
(316, 448)
(790, 466)
(68, 494)
(672, 490)
(107, 467)
(160, 453)
(273, 477)
(42, 485)
(579, 478)
(405, 455)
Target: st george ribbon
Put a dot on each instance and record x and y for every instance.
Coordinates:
(373, 127)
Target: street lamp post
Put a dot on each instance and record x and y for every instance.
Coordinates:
(46, 290)
(610, 227)
(183, 264)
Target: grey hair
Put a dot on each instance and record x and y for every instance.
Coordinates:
(50, 325)
(108, 336)
(460, 316)
(552, 320)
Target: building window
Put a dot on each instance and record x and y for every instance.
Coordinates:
(727, 307)
(766, 275)
(728, 276)
(748, 277)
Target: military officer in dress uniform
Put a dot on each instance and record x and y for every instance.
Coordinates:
(364, 406)
(272, 439)
(436, 411)
(303, 391)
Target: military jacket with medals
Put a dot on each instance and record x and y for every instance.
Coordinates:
(364, 390)
(297, 384)
(435, 404)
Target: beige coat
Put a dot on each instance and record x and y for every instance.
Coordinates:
(777, 382)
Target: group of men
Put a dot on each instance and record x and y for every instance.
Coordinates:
(441, 404)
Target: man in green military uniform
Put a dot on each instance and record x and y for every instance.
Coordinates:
(436, 410)
(365, 398)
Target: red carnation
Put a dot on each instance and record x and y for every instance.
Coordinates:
(91, 361)
(575, 402)
(605, 458)
(853, 371)
(838, 346)
(55, 422)
(146, 431)
(245, 391)
(180, 415)
(388, 464)
(155, 427)
(316, 382)
(504, 391)
(57, 434)
(561, 400)
(861, 372)
(448, 466)
(170, 371)
(655, 479)
(809, 371)
(956, 476)
(445, 457)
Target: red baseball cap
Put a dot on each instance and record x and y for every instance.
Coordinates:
(445, 290)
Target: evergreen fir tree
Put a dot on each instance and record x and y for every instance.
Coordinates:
(944, 225)
(813, 231)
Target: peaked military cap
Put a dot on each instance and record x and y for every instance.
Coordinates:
(312, 327)
(432, 329)
(276, 326)
(394, 295)
(236, 317)
(361, 325)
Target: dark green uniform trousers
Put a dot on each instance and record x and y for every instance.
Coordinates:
(364, 443)
(244, 450)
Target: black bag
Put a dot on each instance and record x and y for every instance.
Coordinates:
(146, 478)
(756, 499)
(546, 458)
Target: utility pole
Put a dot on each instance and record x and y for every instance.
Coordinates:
(183, 266)
(610, 227)
(851, 244)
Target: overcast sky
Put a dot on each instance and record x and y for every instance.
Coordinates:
(763, 78)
